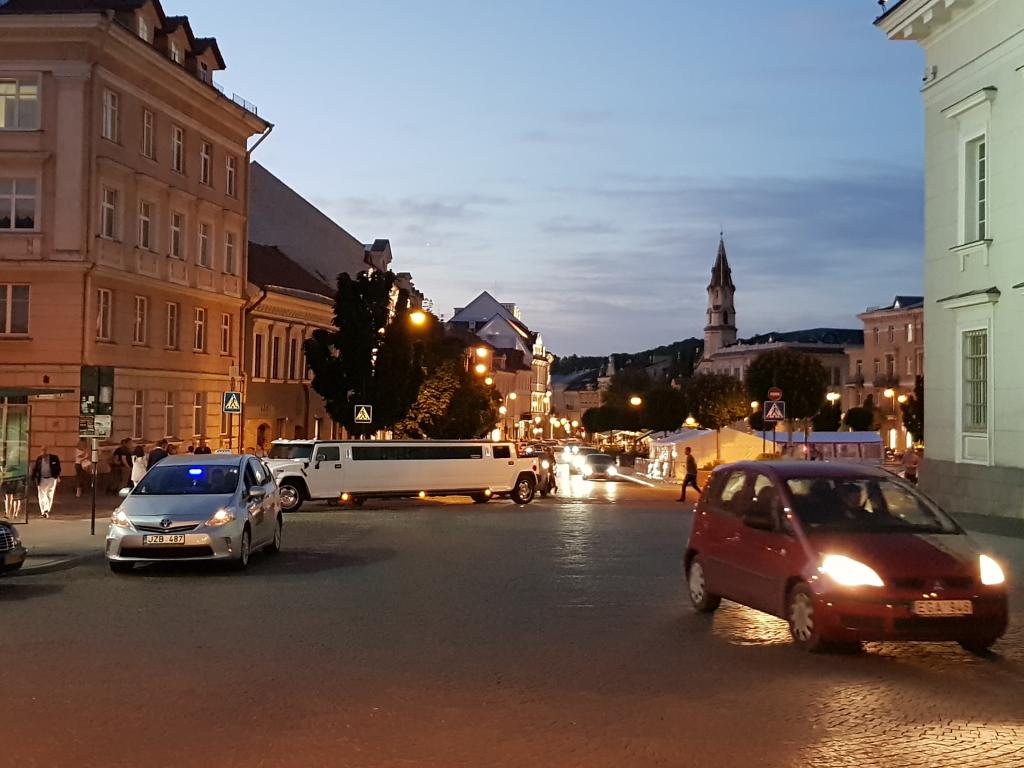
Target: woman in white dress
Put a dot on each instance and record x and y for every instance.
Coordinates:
(138, 465)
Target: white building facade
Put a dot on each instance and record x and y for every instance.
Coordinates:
(974, 309)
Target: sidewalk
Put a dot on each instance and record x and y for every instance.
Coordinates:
(55, 545)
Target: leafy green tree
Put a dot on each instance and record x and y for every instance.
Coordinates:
(625, 384)
(802, 379)
(860, 419)
(664, 409)
(716, 400)
(913, 411)
(828, 419)
(609, 417)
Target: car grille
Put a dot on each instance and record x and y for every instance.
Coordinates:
(952, 582)
(173, 529)
(6, 540)
(166, 553)
(934, 626)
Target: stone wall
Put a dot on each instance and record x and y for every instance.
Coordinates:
(974, 489)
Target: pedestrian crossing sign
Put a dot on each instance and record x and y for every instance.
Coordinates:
(775, 410)
(232, 402)
(364, 414)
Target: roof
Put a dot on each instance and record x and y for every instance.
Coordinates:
(898, 303)
(204, 44)
(269, 267)
(721, 273)
(887, 11)
(192, 459)
(786, 470)
(851, 336)
(70, 6)
(993, 291)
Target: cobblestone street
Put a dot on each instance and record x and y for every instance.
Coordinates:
(450, 634)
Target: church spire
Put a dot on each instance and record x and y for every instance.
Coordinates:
(721, 328)
(721, 274)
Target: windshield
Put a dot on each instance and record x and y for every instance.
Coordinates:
(285, 451)
(865, 505)
(183, 480)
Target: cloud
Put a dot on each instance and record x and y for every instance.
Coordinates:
(575, 225)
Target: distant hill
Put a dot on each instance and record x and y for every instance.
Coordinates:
(683, 355)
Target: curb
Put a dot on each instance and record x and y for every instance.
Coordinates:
(53, 566)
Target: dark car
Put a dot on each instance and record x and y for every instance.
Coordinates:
(599, 466)
(12, 553)
(845, 554)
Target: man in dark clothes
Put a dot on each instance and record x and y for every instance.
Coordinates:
(691, 475)
(157, 455)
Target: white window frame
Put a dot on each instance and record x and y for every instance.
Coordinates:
(199, 414)
(142, 28)
(109, 203)
(140, 329)
(148, 134)
(7, 317)
(230, 253)
(231, 176)
(203, 257)
(139, 414)
(170, 414)
(176, 247)
(206, 163)
(177, 55)
(146, 225)
(199, 318)
(975, 312)
(104, 314)
(225, 333)
(9, 201)
(111, 124)
(22, 84)
(177, 149)
(172, 324)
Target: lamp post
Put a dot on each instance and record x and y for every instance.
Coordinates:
(890, 395)
(754, 406)
(509, 398)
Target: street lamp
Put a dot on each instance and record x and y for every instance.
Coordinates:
(902, 399)
(690, 422)
(754, 405)
(481, 351)
(832, 397)
(636, 401)
(481, 369)
(418, 317)
(489, 381)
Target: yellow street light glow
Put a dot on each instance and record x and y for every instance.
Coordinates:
(636, 401)
(690, 421)
(754, 405)
(487, 492)
(489, 381)
(512, 395)
(554, 421)
(902, 399)
(418, 317)
(481, 368)
(575, 424)
(423, 494)
(345, 497)
(890, 393)
(537, 420)
(832, 397)
(503, 410)
(481, 351)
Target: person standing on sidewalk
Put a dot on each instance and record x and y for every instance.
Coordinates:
(138, 465)
(691, 475)
(46, 475)
(83, 468)
(119, 461)
(158, 454)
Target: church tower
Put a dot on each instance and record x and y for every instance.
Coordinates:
(721, 328)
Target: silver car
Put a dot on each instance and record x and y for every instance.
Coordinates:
(212, 507)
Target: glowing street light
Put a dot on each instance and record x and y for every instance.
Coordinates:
(754, 405)
(636, 401)
(833, 397)
(418, 317)
(502, 410)
(890, 393)
(575, 424)
(902, 399)
(481, 351)
(481, 369)
(489, 381)
(690, 421)
(512, 395)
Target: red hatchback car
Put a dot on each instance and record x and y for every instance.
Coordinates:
(845, 554)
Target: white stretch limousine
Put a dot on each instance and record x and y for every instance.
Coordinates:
(354, 471)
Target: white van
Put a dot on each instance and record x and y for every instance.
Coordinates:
(354, 471)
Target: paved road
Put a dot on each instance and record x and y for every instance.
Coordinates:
(450, 634)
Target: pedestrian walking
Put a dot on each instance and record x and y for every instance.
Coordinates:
(911, 461)
(138, 465)
(158, 454)
(46, 475)
(83, 467)
(691, 474)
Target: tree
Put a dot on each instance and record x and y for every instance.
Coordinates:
(368, 357)
(664, 409)
(625, 384)
(828, 419)
(802, 379)
(716, 400)
(913, 411)
(609, 417)
(860, 419)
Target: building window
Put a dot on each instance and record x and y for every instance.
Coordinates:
(199, 330)
(231, 176)
(860, 367)
(920, 362)
(177, 149)
(275, 357)
(878, 369)
(204, 72)
(204, 244)
(225, 334)
(177, 235)
(199, 414)
(143, 28)
(171, 337)
(170, 414)
(976, 197)
(145, 225)
(205, 162)
(108, 213)
(910, 333)
(229, 253)
(892, 336)
(17, 204)
(13, 309)
(19, 103)
(292, 358)
(148, 132)
(111, 116)
(257, 356)
(910, 366)
(104, 307)
(141, 319)
(975, 374)
(875, 329)
(177, 55)
(139, 415)
(890, 365)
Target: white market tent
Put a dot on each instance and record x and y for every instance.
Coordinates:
(851, 447)
(666, 453)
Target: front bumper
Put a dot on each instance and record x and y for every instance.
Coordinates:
(203, 544)
(12, 559)
(877, 617)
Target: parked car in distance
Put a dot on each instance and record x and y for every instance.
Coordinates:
(599, 466)
(12, 553)
(212, 507)
(845, 554)
(578, 458)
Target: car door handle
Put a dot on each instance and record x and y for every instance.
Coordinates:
(511, 463)
(337, 466)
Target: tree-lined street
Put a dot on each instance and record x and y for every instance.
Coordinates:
(449, 634)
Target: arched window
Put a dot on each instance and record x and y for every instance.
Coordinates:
(725, 317)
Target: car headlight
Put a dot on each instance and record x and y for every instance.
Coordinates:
(578, 462)
(850, 573)
(220, 517)
(120, 520)
(991, 572)
(545, 464)
(613, 471)
(587, 471)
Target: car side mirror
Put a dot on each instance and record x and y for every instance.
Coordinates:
(759, 520)
(256, 493)
(123, 493)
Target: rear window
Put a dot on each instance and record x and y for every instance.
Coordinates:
(283, 451)
(503, 451)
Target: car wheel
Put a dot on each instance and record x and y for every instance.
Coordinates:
(275, 544)
(802, 618)
(244, 551)
(480, 498)
(981, 648)
(524, 490)
(703, 601)
(119, 567)
(291, 497)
